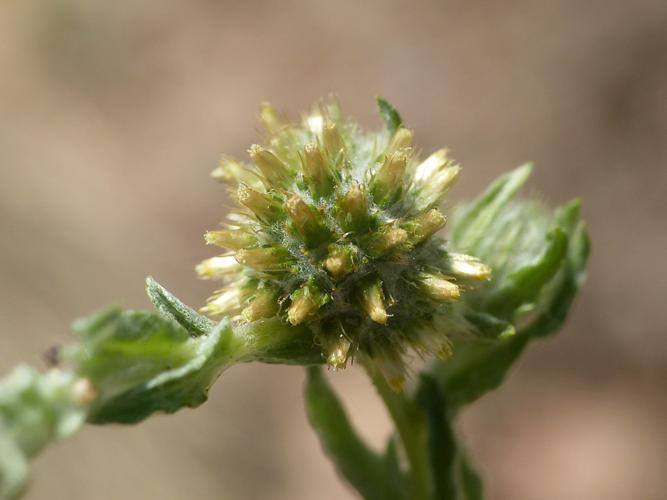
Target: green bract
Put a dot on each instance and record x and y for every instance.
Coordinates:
(334, 254)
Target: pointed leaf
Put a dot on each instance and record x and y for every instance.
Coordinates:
(477, 367)
(141, 363)
(548, 280)
(473, 220)
(523, 285)
(392, 120)
(171, 307)
(35, 410)
(556, 300)
(360, 466)
(13, 466)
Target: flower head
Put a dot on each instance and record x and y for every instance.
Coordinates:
(337, 230)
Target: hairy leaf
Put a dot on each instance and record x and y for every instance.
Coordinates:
(471, 224)
(141, 363)
(35, 409)
(392, 119)
(538, 265)
(172, 308)
(364, 469)
(267, 340)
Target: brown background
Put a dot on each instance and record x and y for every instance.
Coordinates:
(112, 114)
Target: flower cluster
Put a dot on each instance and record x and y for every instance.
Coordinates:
(337, 230)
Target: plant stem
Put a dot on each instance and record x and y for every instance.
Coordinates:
(410, 425)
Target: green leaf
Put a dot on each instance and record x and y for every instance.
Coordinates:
(364, 469)
(13, 466)
(537, 273)
(556, 300)
(267, 340)
(392, 120)
(470, 225)
(476, 367)
(171, 307)
(35, 410)
(141, 363)
(523, 285)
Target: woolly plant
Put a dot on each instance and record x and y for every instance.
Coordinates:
(334, 255)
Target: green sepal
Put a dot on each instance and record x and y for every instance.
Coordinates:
(392, 119)
(366, 470)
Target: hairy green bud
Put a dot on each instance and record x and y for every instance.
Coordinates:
(341, 238)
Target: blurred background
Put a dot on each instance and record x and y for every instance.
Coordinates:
(112, 115)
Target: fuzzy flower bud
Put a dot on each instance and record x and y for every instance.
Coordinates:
(227, 301)
(218, 267)
(433, 178)
(233, 239)
(402, 139)
(373, 302)
(333, 142)
(265, 259)
(338, 245)
(263, 305)
(439, 288)
(466, 266)
(340, 261)
(307, 222)
(305, 302)
(353, 209)
(385, 240)
(425, 225)
(316, 170)
(388, 180)
(272, 168)
(264, 206)
(234, 172)
(338, 352)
